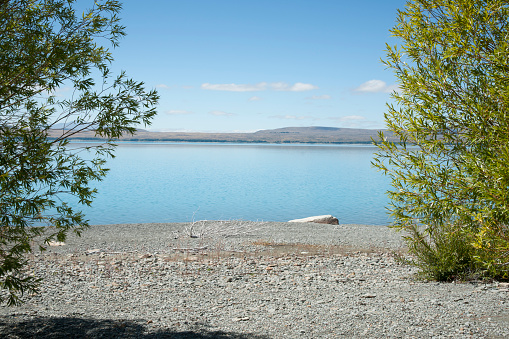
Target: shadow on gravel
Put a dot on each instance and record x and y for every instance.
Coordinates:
(68, 327)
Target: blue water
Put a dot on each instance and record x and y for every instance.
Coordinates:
(179, 182)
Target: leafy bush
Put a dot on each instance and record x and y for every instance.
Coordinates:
(45, 45)
(450, 170)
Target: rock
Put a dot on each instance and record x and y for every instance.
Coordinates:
(320, 219)
(56, 243)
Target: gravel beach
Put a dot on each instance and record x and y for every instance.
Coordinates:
(246, 280)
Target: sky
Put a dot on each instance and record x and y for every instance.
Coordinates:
(243, 66)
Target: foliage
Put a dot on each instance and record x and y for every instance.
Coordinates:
(450, 170)
(46, 47)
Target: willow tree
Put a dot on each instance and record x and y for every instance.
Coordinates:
(450, 170)
(45, 46)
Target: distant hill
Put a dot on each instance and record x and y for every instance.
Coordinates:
(318, 134)
(314, 134)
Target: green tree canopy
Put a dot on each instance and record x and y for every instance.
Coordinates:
(450, 173)
(46, 45)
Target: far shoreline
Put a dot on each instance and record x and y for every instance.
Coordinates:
(286, 135)
(218, 142)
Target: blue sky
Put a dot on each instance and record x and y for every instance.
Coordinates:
(242, 66)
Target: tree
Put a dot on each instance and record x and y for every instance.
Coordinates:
(44, 46)
(450, 170)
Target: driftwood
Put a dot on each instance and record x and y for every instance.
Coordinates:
(191, 249)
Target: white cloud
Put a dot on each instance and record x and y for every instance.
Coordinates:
(393, 88)
(163, 86)
(319, 97)
(221, 114)
(235, 87)
(297, 87)
(177, 112)
(57, 92)
(60, 91)
(261, 86)
(179, 130)
(255, 98)
(376, 86)
(351, 118)
(356, 121)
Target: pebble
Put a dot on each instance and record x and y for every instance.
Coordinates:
(133, 290)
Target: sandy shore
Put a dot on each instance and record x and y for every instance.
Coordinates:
(246, 280)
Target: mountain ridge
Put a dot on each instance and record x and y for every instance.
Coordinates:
(311, 134)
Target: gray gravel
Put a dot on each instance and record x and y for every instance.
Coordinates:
(246, 280)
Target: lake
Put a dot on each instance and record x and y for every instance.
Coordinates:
(181, 182)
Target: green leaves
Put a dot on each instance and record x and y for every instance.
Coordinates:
(45, 45)
(450, 172)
